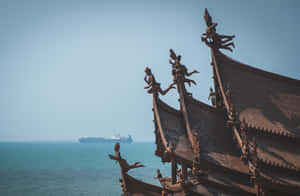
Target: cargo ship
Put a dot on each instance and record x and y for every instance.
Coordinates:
(114, 139)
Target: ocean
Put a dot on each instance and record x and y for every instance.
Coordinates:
(71, 169)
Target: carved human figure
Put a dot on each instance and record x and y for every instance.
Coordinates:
(158, 176)
(179, 71)
(153, 86)
(212, 38)
(212, 96)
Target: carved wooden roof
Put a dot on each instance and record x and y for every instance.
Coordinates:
(171, 128)
(135, 187)
(283, 181)
(210, 183)
(262, 114)
(268, 107)
(278, 153)
(216, 143)
(263, 100)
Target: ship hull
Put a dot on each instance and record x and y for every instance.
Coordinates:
(105, 140)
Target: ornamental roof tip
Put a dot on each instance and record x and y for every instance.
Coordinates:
(180, 71)
(123, 162)
(214, 40)
(153, 86)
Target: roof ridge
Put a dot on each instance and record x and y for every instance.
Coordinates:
(265, 73)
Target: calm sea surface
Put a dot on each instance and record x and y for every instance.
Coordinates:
(63, 169)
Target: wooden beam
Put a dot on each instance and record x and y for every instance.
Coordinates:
(174, 171)
(184, 171)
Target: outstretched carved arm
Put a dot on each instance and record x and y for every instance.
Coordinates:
(190, 81)
(122, 162)
(135, 165)
(146, 87)
(193, 72)
(167, 90)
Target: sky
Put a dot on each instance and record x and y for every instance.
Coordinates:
(75, 68)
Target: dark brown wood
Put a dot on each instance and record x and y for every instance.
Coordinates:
(174, 171)
(246, 143)
(184, 172)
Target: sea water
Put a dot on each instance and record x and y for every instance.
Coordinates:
(71, 169)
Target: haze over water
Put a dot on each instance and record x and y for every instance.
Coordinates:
(62, 169)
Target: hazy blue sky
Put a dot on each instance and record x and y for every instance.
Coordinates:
(75, 68)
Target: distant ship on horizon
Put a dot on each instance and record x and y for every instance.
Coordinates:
(113, 139)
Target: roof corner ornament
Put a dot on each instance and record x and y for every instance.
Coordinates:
(212, 96)
(169, 151)
(179, 71)
(162, 181)
(153, 86)
(214, 40)
(125, 167)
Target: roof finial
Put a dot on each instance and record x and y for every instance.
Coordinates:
(179, 71)
(123, 163)
(153, 86)
(212, 38)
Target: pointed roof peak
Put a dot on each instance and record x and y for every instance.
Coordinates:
(214, 40)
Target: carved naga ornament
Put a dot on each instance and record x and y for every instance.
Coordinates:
(153, 86)
(214, 40)
(179, 71)
(123, 163)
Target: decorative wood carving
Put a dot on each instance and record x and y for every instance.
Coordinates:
(123, 163)
(214, 40)
(179, 71)
(153, 86)
(212, 96)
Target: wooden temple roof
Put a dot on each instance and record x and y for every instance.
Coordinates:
(265, 101)
(171, 129)
(267, 106)
(139, 188)
(216, 144)
(218, 152)
(256, 110)
(215, 139)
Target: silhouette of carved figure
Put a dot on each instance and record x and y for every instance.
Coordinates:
(212, 38)
(158, 176)
(212, 96)
(123, 163)
(153, 86)
(179, 71)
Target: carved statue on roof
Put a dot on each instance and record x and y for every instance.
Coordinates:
(212, 38)
(179, 71)
(123, 163)
(212, 96)
(153, 86)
